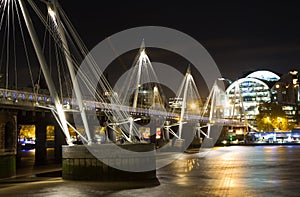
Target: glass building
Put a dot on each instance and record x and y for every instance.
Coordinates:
(264, 86)
(245, 95)
(285, 92)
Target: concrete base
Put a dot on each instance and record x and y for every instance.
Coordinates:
(7, 165)
(196, 143)
(8, 144)
(79, 163)
(179, 145)
(207, 143)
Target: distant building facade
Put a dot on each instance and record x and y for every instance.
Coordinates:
(265, 86)
(285, 92)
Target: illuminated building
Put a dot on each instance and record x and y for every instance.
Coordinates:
(264, 75)
(265, 86)
(252, 92)
(286, 93)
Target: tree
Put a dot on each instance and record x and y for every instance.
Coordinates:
(271, 117)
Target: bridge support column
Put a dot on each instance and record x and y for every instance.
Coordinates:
(40, 142)
(207, 143)
(214, 132)
(179, 145)
(59, 142)
(8, 144)
(166, 134)
(111, 134)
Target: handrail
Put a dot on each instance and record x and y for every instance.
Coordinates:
(40, 99)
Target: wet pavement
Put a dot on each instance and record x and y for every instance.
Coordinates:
(221, 171)
(26, 166)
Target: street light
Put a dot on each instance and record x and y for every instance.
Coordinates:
(193, 106)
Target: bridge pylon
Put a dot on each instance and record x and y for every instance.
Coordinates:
(39, 52)
(188, 98)
(141, 90)
(215, 109)
(56, 19)
(237, 111)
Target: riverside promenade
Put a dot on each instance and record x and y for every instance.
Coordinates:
(221, 171)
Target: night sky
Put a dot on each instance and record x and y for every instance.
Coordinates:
(241, 37)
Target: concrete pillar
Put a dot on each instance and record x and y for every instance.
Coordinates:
(60, 139)
(111, 134)
(166, 134)
(40, 143)
(8, 144)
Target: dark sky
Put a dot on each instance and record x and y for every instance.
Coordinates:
(240, 36)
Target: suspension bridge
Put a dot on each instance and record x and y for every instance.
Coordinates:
(40, 59)
(58, 60)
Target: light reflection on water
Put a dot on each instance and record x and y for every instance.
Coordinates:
(192, 164)
(241, 167)
(224, 171)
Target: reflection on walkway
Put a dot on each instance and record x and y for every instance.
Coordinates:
(26, 165)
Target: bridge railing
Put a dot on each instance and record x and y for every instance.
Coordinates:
(18, 97)
(32, 99)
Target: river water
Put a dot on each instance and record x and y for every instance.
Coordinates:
(221, 171)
